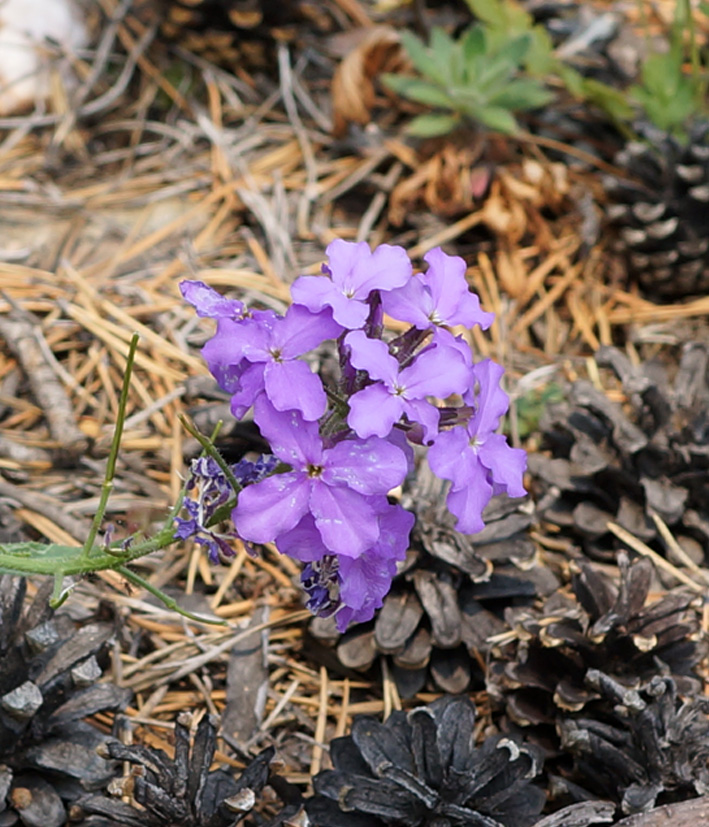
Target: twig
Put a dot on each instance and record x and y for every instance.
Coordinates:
(23, 338)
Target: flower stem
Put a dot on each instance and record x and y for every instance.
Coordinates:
(107, 485)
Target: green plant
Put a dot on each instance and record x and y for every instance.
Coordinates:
(475, 78)
(669, 96)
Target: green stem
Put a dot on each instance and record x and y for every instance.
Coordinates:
(107, 485)
(211, 451)
(165, 599)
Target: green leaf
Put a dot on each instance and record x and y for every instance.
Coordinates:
(524, 93)
(473, 44)
(433, 125)
(504, 16)
(424, 60)
(613, 102)
(500, 120)
(420, 91)
(513, 52)
(662, 74)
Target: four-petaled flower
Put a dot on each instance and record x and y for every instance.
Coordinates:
(477, 461)
(436, 371)
(335, 484)
(438, 296)
(264, 359)
(354, 272)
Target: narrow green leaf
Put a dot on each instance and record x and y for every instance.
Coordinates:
(524, 93)
(613, 102)
(423, 59)
(433, 125)
(473, 44)
(420, 91)
(500, 120)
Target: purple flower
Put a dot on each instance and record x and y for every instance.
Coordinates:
(477, 461)
(438, 296)
(435, 371)
(335, 485)
(211, 304)
(213, 490)
(253, 358)
(351, 588)
(354, 271)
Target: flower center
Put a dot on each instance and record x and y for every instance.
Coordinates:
(276, 353)
(315, 470)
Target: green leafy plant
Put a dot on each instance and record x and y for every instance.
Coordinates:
(670, 96)
(474, 78)
(666, 94)
(532, 406)
(506, 19)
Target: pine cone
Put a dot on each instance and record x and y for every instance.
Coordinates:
(640, 745)
(607, 465)
(48, 684)
(600, 626)
(229, 33)
(183, 792)
(661, 215)
(421, 769)
(434, 623)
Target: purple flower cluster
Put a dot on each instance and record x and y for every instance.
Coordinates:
(340, 450)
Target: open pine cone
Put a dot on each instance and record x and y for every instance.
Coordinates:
(600, 626)
(184, 791)
(661, 215)
(231, 33)
(48, 684)
(611, 464)
(638, 746)
(421, 768)
(436, 620)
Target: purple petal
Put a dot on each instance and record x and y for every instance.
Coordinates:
(251, 386)
(292, 439)
(395, 524)
(209, 303)
(467, 503)
(373, 466)
(301, 331)
(411, 303)
(373, 356)
(506, 464)
(218, 351)
(365, 582)
(229, 377)
(374, 411)
(490, 402)
(248, 340)
(302, 542)
(343, 257)
(451, 457)
(293, 386)
(443, 339)
(271, 507)
(345, 519)
(386, 268)
(426, 415)
(436, 371)
(313, 292)
(454, 303)
(319, 292)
